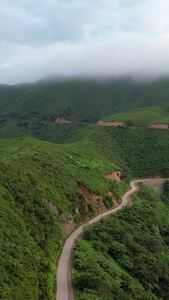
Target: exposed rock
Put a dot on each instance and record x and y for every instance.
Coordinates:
(52, 206)
(77, 211)
(68, 224)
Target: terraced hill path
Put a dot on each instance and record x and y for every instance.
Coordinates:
(64, 283)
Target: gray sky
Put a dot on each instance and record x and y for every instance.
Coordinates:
(39, 38)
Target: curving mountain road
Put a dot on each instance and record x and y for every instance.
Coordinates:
(64, 284)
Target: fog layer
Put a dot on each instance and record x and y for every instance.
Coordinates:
(90, 38)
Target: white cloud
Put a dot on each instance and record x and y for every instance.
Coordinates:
(39, 38)
(5, 65)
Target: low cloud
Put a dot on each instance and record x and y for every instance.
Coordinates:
(88, 38)
(109, 56)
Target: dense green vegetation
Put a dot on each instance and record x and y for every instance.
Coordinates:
(143, 116)
(126, 255)
(39, 182)
(165, 194)
(31, 110)
(34, 175)
(31, 178)
(108, 201)
(48, 131)
(29, 243)
(140, 152)
(75, 100)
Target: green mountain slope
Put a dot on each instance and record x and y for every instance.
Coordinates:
(32, 177)
(39, 195)
(10, 94)
(76, 100)
(143, 116)
(125, 256)
(140, 151)
(156, 94)
(31, 110)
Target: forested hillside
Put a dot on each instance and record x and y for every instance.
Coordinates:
(143, 116)
(125, 256)
(39, 196)
(75, 100)
(41, 182)
(36, 175)
(32, 109)
(140, 152)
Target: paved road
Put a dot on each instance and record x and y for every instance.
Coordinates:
(64, 284)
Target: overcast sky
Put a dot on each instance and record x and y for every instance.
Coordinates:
(39, 38)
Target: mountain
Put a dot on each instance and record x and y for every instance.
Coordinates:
(36, 109)
(49, 188)
(40, 194)
(75, 100)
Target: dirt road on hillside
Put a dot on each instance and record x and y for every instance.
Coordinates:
(64, 283)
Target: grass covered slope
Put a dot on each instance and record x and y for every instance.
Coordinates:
(39, 180)
(31, 110)
(139, 152)
(10, 94)
(51, 131)
(142, 116)
(29, 243)
(31, 178)
(83, 100)
(125, 256)
(34, 175)
(38, 183)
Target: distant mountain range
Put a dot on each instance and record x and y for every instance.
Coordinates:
(31, 109)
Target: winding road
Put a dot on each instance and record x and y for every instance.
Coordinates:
(64, 283)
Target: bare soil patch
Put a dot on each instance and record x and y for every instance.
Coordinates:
(159, 125)
(100, 122)
(62, 120)
(92, 197)
(114, 176)
(96, 200)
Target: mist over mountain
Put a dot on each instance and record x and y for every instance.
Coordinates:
(71, 38)
(54, 109)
